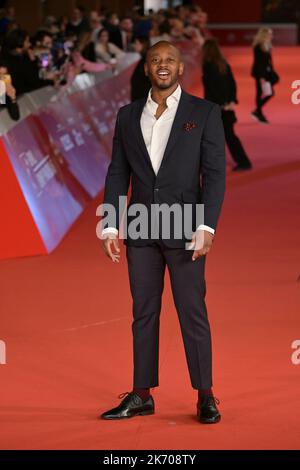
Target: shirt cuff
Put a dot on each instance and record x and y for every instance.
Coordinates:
(207, 228)
(111, 230)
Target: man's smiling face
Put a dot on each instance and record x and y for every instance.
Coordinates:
(163, 65)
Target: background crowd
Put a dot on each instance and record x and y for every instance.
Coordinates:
(87, 41)
(95, 41)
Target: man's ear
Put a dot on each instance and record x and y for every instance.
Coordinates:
(146, 69)
(181, 68)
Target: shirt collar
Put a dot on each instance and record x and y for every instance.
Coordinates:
(171, 100)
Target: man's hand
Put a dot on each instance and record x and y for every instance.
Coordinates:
(10, 91)
(202, 241)
(229, 106)
(110, 245)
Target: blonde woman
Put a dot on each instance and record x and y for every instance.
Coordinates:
(263, 71)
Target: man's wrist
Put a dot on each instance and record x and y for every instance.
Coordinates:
(109, 231)
(206, 228)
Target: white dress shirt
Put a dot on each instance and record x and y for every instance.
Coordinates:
(156, 133)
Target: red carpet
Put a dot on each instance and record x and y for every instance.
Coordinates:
(66, 317)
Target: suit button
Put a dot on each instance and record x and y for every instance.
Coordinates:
(156, 189)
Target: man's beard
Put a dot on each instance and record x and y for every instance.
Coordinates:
(165, 86)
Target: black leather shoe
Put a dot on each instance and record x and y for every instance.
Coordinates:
(258, 116)
(132, 405)
(207, 410)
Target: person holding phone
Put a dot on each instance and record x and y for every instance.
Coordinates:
(9, 102)
(22, 64)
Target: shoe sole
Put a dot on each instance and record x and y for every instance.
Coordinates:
(258, 120)
(214, 421)
(142, 413)
(242, 169)
(255, 118)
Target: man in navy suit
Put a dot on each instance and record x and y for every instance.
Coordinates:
(170, 147)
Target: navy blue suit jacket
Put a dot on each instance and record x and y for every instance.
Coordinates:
(192, 169)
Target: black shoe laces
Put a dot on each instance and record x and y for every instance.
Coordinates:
(209, 399)
(213, 399)
(129, 396)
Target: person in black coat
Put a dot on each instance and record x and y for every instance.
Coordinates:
(122, 36)
(263, 72)
(140, 83)
(77, 24)
(220, 87)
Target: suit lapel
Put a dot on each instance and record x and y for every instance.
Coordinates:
(182, 115)
(137, 113)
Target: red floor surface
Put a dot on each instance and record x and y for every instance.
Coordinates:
(66, 317)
